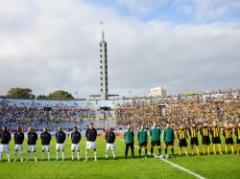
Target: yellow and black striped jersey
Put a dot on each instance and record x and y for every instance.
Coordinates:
(182, 134)
(193, 132)
(237, 132)
(228, 133)
(205, 131)
(215, 131)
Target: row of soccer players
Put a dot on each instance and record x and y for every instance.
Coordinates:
(183, 134)
(91, 135)
(155, 133)
(205, 131)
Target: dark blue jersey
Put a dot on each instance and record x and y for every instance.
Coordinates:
(91, 134)
(5, 137)
(110, 137)
(46, 138)
(76, 137)
(61, 137)
(18, 138)
(32, 138)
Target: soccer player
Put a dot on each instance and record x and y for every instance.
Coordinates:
(18, 140)
(129, 141)
(216, 131)
(182, 138)
(46, 139)
(142, 140)
(75, 148)
(193, 133)
(237, 132)
(228, 132)
(5, 137)
(60, 137)
(110, 139)
(91, 135)
(155, 134)
(205, 138)
(32, 139)
(168, 137)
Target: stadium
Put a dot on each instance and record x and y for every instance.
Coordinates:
(157, 134)
(117, 114)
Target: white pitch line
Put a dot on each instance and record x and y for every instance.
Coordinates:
(182, 168)
(177, 166)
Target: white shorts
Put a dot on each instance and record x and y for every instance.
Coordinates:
(18, 147)
(75, 147)
(60, 147)
(31, 148)
(45, 148)
(91, 145)
(110, 147)
(4, 148)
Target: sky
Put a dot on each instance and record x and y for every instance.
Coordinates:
(182, 45)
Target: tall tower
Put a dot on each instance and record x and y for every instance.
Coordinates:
(103, 69)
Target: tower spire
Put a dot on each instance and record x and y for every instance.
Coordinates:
(101, 23)
(103, 35)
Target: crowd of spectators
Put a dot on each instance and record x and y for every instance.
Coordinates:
(183, 112)
(30, 116)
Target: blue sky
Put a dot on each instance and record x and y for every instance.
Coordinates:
(176, 11)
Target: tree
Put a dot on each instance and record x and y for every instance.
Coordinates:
(60, 95)
(42, 97)
(21, 93)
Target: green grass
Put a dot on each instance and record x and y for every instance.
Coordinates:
(220, 166)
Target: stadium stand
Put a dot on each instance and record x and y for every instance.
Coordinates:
(181, 109)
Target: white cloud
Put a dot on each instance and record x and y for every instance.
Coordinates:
(55, 46)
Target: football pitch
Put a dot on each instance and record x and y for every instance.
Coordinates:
(219, 166)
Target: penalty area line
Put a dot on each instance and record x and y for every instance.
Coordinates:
(177, 166)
